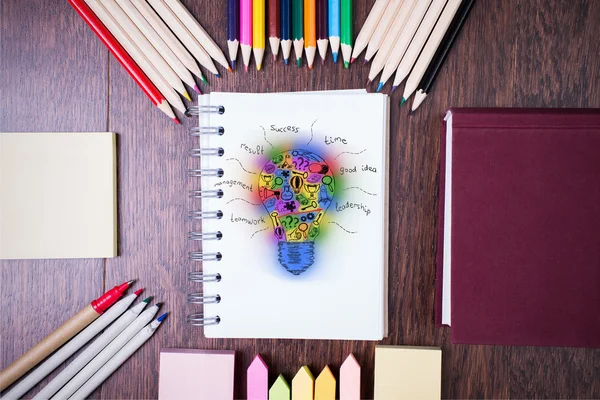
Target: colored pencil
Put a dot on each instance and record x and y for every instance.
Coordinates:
(274, 9)
(61, 335)
(258, 31)
(346, 30)
(92, 350)
(385, 23)
(123, 58)
(155, 40)
(441, 54)
(233, 29)
(118, 359)
(137, 55)
(310, 31)
(298, 29)
(369, 27)
(198, 32)
(333, 12)
(194, 47)
(428, 51)
(286, 29)
(403, 29)
(168, 37)
(107, 353)
(246, 31)
(146, 47)
(322, 30)
(71, 347)
(401, 52)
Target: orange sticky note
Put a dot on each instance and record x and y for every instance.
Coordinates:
(350, 379)
(303, 385)
(325, 385)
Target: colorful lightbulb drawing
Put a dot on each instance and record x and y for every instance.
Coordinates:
(296, 187)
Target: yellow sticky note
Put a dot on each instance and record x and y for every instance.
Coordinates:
(303, 385)
(325, 385)
(280, 389)
(404, 372)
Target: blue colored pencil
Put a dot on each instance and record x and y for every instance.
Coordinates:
(334, 27)
(286, 29)
(233, 29)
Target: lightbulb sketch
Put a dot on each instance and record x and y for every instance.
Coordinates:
(296, 187)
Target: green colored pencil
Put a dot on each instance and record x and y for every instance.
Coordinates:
(346, 28)
(298, 29)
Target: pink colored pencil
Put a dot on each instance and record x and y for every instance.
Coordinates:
(246, 30)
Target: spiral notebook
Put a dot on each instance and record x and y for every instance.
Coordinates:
(290, 216)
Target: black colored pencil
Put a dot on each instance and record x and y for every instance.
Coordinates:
(442, 52)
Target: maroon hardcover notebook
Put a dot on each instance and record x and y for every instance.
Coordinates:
(525, 227)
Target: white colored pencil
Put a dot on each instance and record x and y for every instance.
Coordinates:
(428, 51)
(124, 40)
(91, 351)
(118, 359)
(168, 37)
(184, 35)
(403, 50)
(198, 31)
(406, 13)
(384, 25)
(362, 40)
(70, 348)
(113, 347)
(155, 40)
(145, 46)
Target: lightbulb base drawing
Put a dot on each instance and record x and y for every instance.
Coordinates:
(296, 257)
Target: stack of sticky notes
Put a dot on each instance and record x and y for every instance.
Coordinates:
(404, 372)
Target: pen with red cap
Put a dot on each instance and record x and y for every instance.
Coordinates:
(61, 335)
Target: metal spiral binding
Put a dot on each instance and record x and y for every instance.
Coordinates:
(198, 319)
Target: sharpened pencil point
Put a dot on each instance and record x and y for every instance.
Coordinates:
(310, 66)
(130, 282)
(203, 79)
(335, 56)
(162, 317)
(246, 68)
(352, 60)
(218, 75)
(274, 57)
(394, 88)
(379, 87)
(159, 304)
(286, 61)
(197, 89)
(148, 299)
(187, 96)
(176, 121)
(402, 101)
(365, 62)
(346, 64)
(299, 62)
(258, 67)
(368, 82)
(137, 292)
(232, 65)
(411, 112)
(229, 69)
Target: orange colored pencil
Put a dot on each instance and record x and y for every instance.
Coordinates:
(310, 30)
(123, 57)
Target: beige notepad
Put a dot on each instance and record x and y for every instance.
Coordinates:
(57, 195)
(403, 372)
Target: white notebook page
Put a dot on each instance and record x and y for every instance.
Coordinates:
(342, 294)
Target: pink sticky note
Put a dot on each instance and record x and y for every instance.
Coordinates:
(196, 374)
(350, 379)
(258, 380)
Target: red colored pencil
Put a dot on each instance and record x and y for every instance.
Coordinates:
(123, 57)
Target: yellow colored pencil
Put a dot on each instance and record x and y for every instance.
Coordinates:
(258, 31)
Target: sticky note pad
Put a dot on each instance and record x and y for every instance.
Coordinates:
(303, 385)
(196, 374)
(258, 379)
(325, 385)
(350, 379)
(280, 389)
(58, 195)
(403, 372)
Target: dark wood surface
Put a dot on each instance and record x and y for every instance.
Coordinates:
(56, 76)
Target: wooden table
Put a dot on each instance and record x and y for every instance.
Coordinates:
(55, 75)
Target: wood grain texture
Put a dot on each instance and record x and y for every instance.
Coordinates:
(521, 53)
